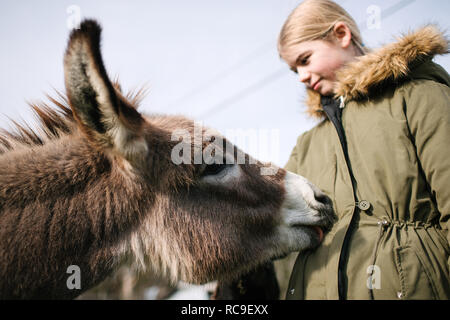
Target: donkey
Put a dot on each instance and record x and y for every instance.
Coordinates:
(97, 186)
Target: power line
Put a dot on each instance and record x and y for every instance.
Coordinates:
(227, 102)
(396, 7)
(212, 81)
(236, 66)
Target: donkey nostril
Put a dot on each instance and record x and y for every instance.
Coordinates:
(322, 198)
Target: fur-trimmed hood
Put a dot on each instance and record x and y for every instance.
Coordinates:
(389, 64)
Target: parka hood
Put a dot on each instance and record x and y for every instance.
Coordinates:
(388, 65)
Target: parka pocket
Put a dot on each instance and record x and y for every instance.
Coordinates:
(415, 273)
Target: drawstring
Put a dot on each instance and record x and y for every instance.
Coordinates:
(383, 224)
(341, 102)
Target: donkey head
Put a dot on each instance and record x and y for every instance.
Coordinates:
(212, 214)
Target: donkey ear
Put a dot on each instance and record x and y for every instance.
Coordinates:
(105, 117)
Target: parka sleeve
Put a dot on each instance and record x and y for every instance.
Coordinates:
(428, 111)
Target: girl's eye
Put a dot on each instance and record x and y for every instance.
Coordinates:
(304, 61)
(301, 61)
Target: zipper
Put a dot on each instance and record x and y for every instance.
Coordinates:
(333, 110)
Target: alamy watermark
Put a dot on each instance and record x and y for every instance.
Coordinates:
(74, 280)
(374, 279)
(374, 17)
(74, 19)
(207, 146)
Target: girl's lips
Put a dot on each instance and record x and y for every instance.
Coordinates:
(316, 85)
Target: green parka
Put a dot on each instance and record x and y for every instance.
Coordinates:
(391, 239)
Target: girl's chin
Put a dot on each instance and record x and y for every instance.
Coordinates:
(325, 90)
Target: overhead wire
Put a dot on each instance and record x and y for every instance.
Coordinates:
(260, 84)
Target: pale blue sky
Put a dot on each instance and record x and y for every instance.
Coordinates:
(215, 61)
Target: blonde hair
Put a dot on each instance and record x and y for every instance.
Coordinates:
(313, 20)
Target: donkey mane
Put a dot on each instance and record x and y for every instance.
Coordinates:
(54, 120)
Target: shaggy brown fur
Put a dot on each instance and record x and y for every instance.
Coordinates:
(390, 63)
(96, 186)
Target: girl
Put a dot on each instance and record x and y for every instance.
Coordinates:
(381, 153)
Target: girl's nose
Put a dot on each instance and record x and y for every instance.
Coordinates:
(304, 75)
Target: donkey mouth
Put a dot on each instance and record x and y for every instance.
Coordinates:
(319, 232)
(319, 229)
(315, 231)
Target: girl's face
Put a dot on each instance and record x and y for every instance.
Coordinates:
(317, 61)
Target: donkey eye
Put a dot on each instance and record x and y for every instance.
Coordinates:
(213, 169)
